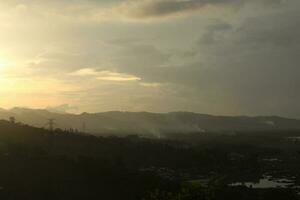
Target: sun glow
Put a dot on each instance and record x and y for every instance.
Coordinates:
(3, 63)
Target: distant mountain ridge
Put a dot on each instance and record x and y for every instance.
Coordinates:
(145, 123)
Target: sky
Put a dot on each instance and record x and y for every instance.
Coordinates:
(222, 57)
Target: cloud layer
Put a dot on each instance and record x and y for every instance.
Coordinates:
(230, 57)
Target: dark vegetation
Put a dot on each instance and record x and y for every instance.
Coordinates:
(39, 164)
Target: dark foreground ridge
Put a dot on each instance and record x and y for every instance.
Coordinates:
(37, 164)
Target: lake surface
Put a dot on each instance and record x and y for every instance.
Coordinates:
(267, 182)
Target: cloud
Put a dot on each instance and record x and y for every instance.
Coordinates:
(64, 108)
(85, 72)
(106, 75)
(157, 9)
(255, 61)
(154, 85)
(217, 60)
(83, 12)
(114, 76)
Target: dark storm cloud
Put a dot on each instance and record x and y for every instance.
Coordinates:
(158, 8)
(250, 67)
(257, 62)
(165, 8)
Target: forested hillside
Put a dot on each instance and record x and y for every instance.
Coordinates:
(40, 164)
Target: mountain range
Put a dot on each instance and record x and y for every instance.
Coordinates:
(145, 123)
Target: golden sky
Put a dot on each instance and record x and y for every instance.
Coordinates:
(221, 56)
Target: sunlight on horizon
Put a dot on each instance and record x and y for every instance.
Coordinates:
(3, 63)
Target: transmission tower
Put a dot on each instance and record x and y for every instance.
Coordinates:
(12, 120)
(50, 124)
(83, 127)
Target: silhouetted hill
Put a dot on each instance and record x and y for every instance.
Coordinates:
(37, 164)
(145, 123)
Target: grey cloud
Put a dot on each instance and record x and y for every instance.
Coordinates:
(165, 8)
(257, 62)
(142, 56)
(213, 31)
(161, 8)
(279, 30)
(64, 108)
(103, 11)
(250, 67)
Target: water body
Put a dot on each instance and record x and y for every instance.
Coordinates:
(293, 139)
(267, 182)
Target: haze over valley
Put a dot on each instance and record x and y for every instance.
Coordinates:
(149, 124)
